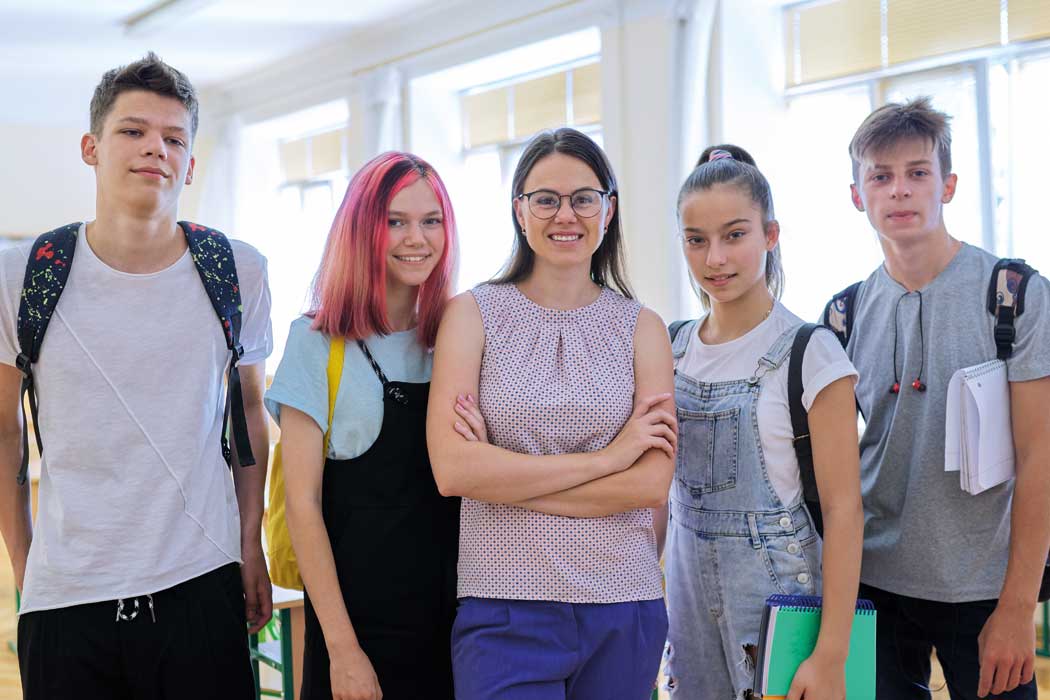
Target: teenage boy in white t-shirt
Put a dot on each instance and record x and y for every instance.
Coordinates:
(145, 563)
(946, 570)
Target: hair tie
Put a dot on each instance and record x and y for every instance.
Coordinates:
(718, 154)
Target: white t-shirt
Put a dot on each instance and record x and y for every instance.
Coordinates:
(824, 362)
(135, 496)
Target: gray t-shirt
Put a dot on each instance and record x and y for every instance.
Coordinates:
(924, 536)
(301, 381)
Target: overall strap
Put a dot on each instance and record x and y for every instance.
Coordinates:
(1006, 301)
(839, 313)
(47, 271)
(778, 351)
(680, 340)
(213, 257)
(800, 424)
(389, 388)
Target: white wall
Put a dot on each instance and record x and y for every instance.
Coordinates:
(43, 182)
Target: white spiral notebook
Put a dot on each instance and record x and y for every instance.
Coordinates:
(978, 436)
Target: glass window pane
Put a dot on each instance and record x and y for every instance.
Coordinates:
(826, 244)
(483, 219)
(587, 94)
(1030, 150)
(539, 104)
(293, 160)
(1029, 19)
(834, 38)
(921, 28)
(486, 117)
(953, 91)
(326, 150)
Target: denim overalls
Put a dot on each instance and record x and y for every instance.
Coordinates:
(731, 542)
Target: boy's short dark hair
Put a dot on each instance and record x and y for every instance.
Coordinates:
(892, 123)
(150, 74)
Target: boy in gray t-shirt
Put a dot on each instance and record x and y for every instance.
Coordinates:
(946, 570)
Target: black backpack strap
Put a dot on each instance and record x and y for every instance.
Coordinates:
(838, 314)
(800, 425)
(213, 257)
(46, 273)
(1006, 301)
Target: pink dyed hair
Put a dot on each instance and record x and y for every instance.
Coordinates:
(349, 290)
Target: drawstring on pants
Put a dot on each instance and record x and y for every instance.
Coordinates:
(127, 617)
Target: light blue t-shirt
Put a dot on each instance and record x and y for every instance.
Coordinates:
(301, 382)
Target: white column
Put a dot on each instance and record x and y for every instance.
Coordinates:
(375, 115)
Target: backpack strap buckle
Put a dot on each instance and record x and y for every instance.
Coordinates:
(1006, 301)
(1005, 333)
(24, 365)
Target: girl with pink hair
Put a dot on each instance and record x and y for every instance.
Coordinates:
(376, 542)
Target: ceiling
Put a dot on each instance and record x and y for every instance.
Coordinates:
(52, 52)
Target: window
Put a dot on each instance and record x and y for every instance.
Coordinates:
(472, 123)
(832, 38)
(960, 54)
(293, 175)
(826, 243)
(1023, 152)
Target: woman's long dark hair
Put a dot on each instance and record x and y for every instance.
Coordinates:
(607, 263)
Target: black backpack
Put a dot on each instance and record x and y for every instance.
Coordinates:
(799, 420)
(1004, 301)
(46, 273)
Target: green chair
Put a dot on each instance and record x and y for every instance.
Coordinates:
(276, 652)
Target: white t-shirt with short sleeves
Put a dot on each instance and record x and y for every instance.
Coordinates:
(135, 495)
(824, 362)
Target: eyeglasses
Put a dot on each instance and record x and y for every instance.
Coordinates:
(544, 204)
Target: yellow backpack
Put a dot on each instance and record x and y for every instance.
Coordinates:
(284, 567)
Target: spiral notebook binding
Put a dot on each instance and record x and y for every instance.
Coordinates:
(812, 603)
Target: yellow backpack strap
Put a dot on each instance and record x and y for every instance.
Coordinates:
(336, 350)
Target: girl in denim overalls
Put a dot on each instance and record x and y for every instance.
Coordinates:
(738, 529)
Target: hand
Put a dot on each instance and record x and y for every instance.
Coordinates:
(353, 677)
(1006, 649)
(472, 427)
(258, 595)
(647, 428)
(819, 678)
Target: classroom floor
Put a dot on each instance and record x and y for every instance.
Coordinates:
(10, 688)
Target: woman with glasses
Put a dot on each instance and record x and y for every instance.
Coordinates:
(551, 414)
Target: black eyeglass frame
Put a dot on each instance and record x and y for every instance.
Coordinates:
(528, 197)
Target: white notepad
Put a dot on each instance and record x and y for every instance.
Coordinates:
(978, 436)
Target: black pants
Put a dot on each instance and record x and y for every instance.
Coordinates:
(197, 648)
(908, 629)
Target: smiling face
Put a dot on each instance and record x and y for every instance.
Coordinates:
(726, 241)
(416, 235)
(903, 191)
(142, 153)
(567, 238)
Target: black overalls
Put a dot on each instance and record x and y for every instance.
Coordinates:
(395, 540)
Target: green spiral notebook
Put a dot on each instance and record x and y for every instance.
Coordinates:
(790, 625)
